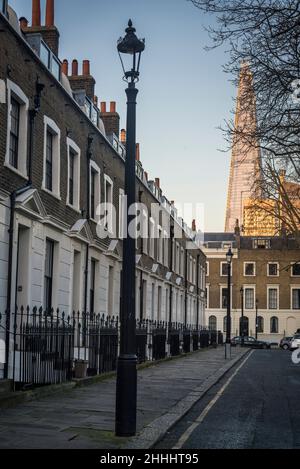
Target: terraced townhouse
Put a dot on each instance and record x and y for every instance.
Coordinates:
(61, 155)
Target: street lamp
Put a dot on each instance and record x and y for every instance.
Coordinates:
(256, 319)
(126, 393)
(242, 317)
(229, 257)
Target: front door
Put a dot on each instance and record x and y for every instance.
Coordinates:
(244, 326)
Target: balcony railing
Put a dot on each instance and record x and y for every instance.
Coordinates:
(46, 55)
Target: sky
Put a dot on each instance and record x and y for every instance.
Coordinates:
(184, 95)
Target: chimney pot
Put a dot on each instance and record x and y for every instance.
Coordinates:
(65, 67)
(86, 67)
(123, 136)
(103, 107)
(50, 13)
(74, 68)
(157, 182)
(113, 106)
(138, 158)
(36, 13)
(23, 22)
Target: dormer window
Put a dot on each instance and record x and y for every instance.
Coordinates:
(261, 244)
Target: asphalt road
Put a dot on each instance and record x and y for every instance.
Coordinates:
(257, 405)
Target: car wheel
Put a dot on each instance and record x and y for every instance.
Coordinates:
(285, 347)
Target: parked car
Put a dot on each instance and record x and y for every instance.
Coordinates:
(295, 342)
(250, 342)
(285, 343)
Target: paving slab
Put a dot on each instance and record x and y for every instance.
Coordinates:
(84, 417)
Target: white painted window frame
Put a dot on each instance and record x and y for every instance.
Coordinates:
(273, 287)
(109, 182)
(14, 90)
(250, 287)
(50, 124)
(278, 266)
(221, 287)
(293, 287)
(250, 262)
(151, 238)
(71, 145)
(95, 167)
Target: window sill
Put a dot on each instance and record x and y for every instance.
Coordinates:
(16, 171)
(51, 193)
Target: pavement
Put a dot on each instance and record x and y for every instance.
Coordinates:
(83, 417)
(255, 406)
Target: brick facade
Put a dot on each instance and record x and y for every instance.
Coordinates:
(41, 215)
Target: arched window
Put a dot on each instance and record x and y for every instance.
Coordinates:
(212, 323)
(274, 325)
(260, 324)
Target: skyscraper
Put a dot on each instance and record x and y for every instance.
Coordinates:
(245, 159)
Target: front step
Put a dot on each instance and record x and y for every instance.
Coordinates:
(6, 386)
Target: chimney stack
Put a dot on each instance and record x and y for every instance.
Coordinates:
(49, 32)
(157, 182)
(65, 67)
(138, 156)
(36, 13)
(50, 13)
(123, 136)
(84, 81)
(111, 119)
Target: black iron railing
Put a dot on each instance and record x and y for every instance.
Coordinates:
(50, 347)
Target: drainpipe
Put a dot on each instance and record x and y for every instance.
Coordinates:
(197, 288)
(32, 115)
(186, 287)
(88, 216)
(171, 267)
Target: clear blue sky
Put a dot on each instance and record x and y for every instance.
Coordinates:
(184, 94)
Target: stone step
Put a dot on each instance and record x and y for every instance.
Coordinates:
(6, 386)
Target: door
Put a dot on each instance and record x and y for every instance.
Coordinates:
(23, 263)
(244, 326)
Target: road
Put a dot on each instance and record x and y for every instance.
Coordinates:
(257, 405)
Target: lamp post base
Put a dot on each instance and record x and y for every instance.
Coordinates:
(227, 351)
(126, 396)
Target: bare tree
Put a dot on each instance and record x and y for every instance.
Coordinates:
(265, 34)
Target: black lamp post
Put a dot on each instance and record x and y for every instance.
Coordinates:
(126, 392)
(242, 317)
(256, 319)
(229, 257)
